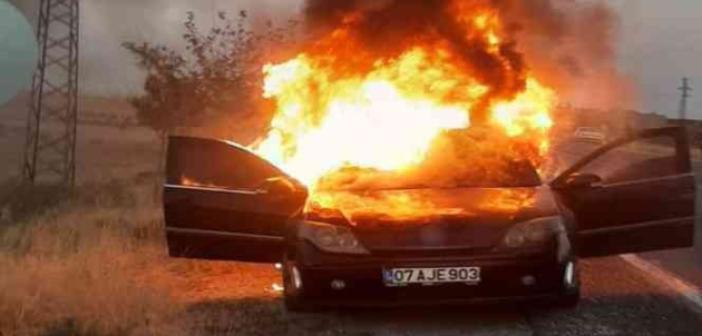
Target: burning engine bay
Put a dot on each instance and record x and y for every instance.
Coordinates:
(442, 186)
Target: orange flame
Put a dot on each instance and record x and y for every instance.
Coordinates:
(190, 182)
(340, 105)
(420, 204)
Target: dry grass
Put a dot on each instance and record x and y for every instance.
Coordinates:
(87, 266)
(89, 261)
(93, 262)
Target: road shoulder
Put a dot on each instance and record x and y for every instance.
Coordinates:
(690, 293)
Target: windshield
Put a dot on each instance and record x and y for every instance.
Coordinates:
(457, 159)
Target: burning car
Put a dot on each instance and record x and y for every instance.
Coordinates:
(401, 162)
(485, 237)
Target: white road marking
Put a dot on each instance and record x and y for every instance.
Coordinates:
(691, 294)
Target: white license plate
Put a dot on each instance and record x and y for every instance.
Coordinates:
(429, 276)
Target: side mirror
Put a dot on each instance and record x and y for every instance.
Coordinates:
(577, 181)
(278, 186)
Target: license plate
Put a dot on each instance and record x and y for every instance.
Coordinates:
(429, 276)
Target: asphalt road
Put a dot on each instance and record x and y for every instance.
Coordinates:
(617, 300)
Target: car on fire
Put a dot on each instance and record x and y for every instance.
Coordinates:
(517, 240)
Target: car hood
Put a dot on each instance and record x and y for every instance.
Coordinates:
(457, 218)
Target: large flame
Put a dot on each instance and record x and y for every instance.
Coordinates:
(385, 119)
(341, 105)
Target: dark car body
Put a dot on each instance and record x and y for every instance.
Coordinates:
(246, 209)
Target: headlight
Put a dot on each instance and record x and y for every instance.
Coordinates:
(533, 232)
(331, 238)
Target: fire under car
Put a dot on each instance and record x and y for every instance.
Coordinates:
(516, 239)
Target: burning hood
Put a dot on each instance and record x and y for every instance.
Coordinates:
(463, 218)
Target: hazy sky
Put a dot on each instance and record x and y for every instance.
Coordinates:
(659, 42)
(17, 52)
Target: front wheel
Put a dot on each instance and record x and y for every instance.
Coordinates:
(568, 300)
(297, 305)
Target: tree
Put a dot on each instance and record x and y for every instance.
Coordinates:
(216, 78)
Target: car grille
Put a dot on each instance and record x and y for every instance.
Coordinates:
(440, 237)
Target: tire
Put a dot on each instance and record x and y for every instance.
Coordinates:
(296, 305)
(568, 300)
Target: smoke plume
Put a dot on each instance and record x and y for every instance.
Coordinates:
(568, 44)
(403, 22)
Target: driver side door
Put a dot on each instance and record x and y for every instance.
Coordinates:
(219, 202)
(639, 195)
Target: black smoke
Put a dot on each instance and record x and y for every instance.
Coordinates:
(566, 44)
(388, 27)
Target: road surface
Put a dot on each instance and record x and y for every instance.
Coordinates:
(618, 299)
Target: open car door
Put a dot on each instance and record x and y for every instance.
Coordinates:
(635, 194)
(223, 202)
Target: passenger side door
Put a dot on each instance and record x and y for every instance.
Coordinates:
(635, 194)
(221, 201)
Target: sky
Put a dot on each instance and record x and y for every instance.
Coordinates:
(17, 51)
(658, 42)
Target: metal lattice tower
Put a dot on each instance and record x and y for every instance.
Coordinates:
(685, 90)
(51, 124)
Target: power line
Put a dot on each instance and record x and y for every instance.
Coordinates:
(213, 12)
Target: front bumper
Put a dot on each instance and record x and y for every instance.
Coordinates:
(503, 278)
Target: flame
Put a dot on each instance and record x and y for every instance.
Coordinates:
(418, 205)
(385, 119)
(528, 114)
(398, 206)
(190, 182)
(341, 105)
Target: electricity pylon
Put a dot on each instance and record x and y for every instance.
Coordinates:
(685, 89)
(50, 147)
